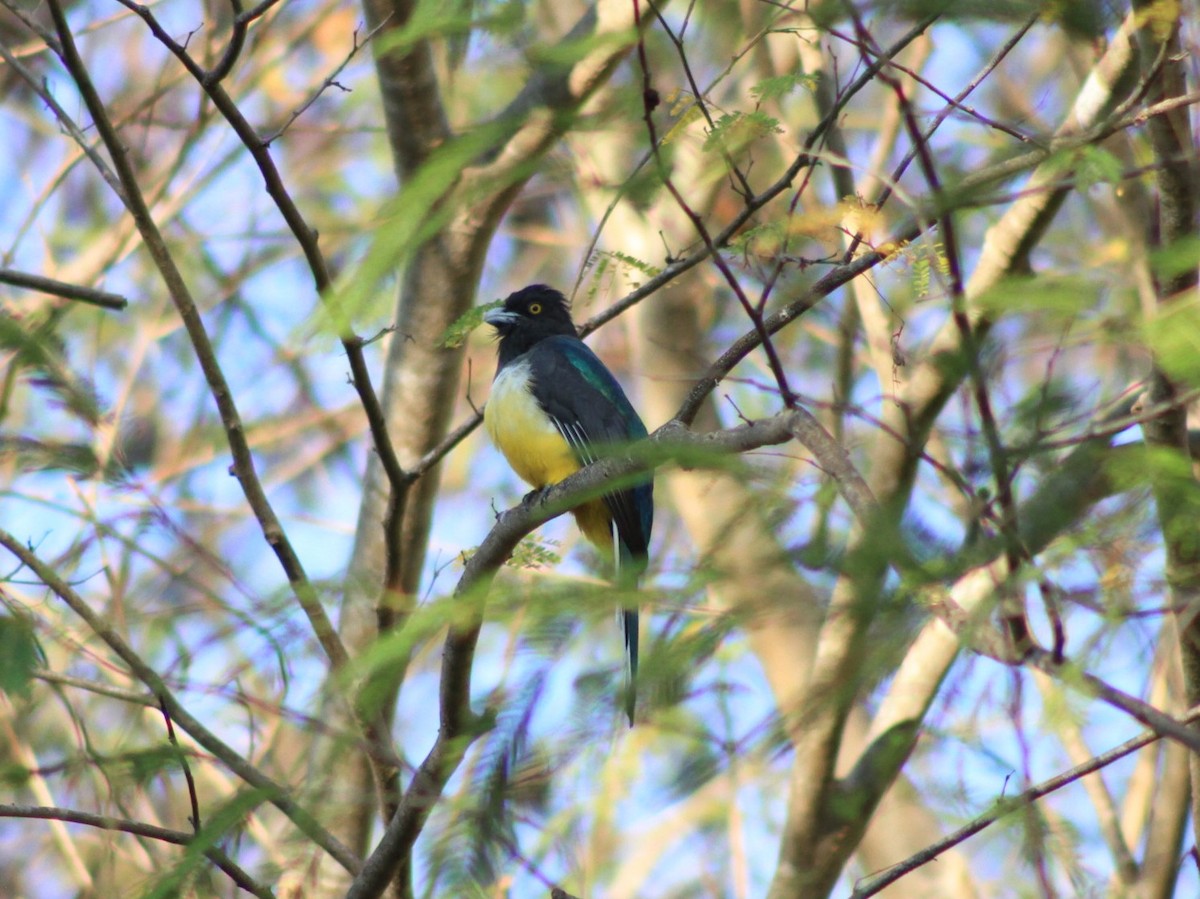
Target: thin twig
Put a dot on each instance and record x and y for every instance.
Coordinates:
(130, 696)
(305, 235)
(90, 295)
(234, 48)
(330, 80)
(650, 100)
(677, 40)
(869, 886)
(183, 762)
(63, 118)
(887, 188)
(997, 455)
(952, 103)
(215, 854)
(275, 793)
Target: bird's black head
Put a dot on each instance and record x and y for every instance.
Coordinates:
(531, 314)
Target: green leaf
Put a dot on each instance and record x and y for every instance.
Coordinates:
(1181, 256)
(1084, 19)
(1176, 490)
(456, 335)
(687, 118)
(632, 262)
(567, 53)
(766, 239)
(14, 776)
(780, 86)
(20, 655)
(415, 216)
(32, 454)
(1174, 335)
(737, 130)
(645, 183)
(1061, 296)
(921, 276)
(39, 347)
(146, 764)
(438, 19)
(1097, 166)
(219, 824)
(534, 553)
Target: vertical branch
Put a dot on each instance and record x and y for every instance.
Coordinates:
(1174, 149)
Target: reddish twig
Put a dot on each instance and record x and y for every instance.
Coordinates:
(650, 100)
(183, 762)
(970, 346)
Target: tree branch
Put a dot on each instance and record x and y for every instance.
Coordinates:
(243, 460)
(214, 854)
(869, 886)
(392, 856)
(275, 793)
(1173, 144)
(90, 295)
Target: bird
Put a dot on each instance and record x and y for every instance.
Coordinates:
(555, 407)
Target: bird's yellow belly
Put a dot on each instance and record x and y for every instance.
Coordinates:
(523, 433)
(535, 449)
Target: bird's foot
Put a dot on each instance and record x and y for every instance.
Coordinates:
(534, 496)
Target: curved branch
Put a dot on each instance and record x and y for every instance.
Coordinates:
(459, 726)
(215, 854)
(243, 460)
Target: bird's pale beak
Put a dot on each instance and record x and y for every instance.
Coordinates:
(498, 318)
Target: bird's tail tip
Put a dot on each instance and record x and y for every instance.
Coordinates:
(630, 620)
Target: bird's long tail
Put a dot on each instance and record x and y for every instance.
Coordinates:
(628, 574)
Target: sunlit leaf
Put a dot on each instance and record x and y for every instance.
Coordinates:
(779, 86)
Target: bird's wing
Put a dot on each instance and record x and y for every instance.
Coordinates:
(590, 410)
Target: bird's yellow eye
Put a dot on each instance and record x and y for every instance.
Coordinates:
(535, 308)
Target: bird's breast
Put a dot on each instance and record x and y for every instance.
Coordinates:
(523, 432)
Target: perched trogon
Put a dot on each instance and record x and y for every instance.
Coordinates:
(554, 407)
